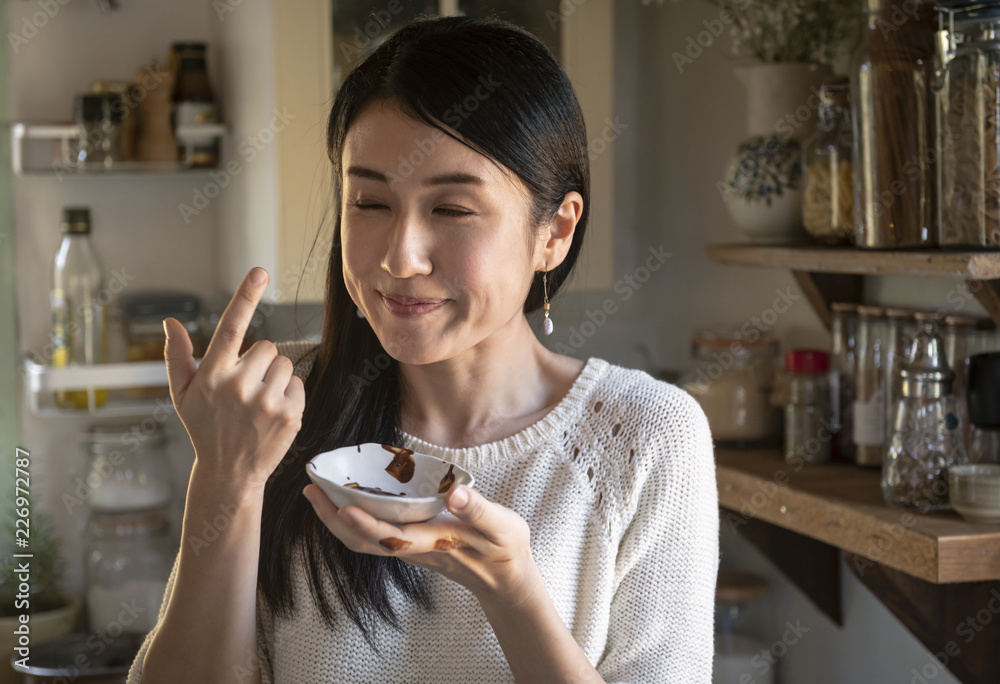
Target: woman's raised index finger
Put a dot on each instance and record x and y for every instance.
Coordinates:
(224, 349)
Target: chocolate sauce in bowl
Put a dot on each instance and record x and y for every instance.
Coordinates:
(402, 465)
(448, 480)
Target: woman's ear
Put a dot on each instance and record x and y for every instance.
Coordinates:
(557, 236)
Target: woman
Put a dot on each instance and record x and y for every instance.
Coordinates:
(588, 550)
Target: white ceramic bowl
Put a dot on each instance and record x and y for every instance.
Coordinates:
(974, 491)
(369, 464)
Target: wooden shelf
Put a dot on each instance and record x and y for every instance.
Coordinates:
(933, 263)
(827, 274)
(841, 505)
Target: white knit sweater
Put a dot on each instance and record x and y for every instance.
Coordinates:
(617, 485)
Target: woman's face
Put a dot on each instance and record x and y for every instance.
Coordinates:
(424, 216)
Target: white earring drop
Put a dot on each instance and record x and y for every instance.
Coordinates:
(548, 325)
(361, 314)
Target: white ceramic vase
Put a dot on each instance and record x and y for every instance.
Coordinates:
(763, 180)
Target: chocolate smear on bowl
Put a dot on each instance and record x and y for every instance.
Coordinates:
(448, 480)
(402, 465)
(370, 490)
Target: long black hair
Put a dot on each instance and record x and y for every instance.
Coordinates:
(531, 124)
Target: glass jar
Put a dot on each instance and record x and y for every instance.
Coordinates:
(732, 377)
(144, 337)
(828, 200)
(927, 437)
(125, 467)
(983, 401)
(127, 562)
(99, 119)
(898, 337)
(969, 102)
(808, 427)
(894, 112)
(737, 650)
(844, 331)
(869, 399)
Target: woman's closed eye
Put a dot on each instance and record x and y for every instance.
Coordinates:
(446, 211)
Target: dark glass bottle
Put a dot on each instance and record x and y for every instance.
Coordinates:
(193, 103)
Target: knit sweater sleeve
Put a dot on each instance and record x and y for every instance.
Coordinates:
(662, 612)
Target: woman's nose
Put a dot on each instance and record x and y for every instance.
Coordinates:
(406, 253)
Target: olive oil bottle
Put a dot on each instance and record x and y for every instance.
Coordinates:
(79, 320)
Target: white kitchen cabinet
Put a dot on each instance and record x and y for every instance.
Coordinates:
(277, 86)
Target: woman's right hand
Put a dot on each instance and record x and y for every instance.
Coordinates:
(241, 413)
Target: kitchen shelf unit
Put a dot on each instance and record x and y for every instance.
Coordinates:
(827, 274)
(41, 382)
(934, 572)
(23, 133)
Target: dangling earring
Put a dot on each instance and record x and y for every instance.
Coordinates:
(361, 314)
(548, 325)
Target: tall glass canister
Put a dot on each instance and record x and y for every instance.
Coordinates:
(969, 141)
(894, 114)
(844, 331)
(869, 398)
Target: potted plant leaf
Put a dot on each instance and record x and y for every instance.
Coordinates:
(51, 613)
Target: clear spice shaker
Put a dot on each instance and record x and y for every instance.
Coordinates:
(808, 428)
(869, 400)
(927, 436)
(844, 363)
(828, 199)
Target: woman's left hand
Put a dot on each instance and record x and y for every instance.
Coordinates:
(482, 545)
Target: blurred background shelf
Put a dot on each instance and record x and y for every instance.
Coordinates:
(827, 274)
(41, 382)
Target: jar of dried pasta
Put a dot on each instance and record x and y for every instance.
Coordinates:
(732, 377)
(969, 139)
(828, 202)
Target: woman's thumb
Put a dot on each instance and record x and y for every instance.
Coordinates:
(178, 353)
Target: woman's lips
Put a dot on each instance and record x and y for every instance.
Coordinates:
(416, 309)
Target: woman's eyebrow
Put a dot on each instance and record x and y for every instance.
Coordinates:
(445, 179)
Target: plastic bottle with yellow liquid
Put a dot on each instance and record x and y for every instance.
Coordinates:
(79, 318)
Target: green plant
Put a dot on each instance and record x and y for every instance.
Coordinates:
(46, 567)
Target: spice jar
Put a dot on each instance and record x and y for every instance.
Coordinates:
(125, 91)
(99, 119)
(828, 200)
(193, 103)
(894, 107)
(969, 102)
(808, 430)
(144, 337)
(983, 402)
(732, 377)
(869, 399)
(127, 561)
(125, 467)
(927, 436)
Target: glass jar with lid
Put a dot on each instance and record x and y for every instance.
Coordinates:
(969, 101)
(125, 467)
(808, 426)
(828, 200)
(144, 337)
(894, 114)
(127, 562)
(732, 376)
